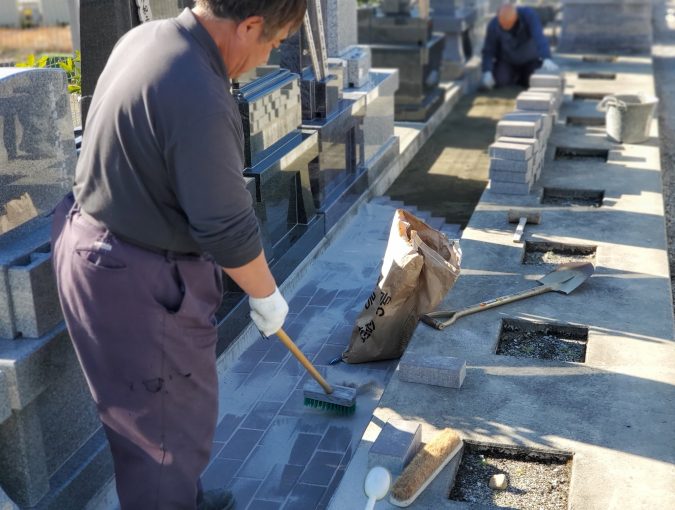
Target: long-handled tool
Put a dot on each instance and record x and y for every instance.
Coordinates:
(522, 217)
(340, 399)
(564, 279)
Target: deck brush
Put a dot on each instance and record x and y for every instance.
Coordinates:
(319, 393)
(424, 467)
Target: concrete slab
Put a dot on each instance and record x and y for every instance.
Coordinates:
(614, 412)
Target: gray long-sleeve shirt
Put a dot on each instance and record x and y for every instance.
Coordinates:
(162, 155)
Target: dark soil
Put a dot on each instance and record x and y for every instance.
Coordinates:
(543, 342)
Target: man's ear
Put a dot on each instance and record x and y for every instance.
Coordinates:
(251, 29)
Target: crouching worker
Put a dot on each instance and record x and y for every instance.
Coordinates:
(160, 209)
(515, 46)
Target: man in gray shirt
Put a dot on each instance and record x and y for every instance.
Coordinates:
(160, 208)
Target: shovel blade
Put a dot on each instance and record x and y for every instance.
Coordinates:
(568, 277)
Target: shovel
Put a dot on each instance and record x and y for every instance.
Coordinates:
(564, 279)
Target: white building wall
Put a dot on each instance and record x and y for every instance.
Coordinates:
(9, 13)
(55, 12)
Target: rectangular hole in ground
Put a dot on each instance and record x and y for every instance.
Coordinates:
(597, 75)
(536, 478)
(526, 339)
(589, 96)
(598, 58)
(581, 154)
(543, 253)
(568, 197)
(585, 121)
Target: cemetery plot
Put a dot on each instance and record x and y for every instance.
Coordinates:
(537, 479)
(526, 339)
(570, 197)
(538, 253)
(581, 154)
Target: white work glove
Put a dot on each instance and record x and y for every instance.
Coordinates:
(550, 66)
(269, 313)
(488, 81)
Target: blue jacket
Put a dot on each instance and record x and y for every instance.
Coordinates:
(518, 46)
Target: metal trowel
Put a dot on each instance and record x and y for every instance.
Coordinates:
(564, 279)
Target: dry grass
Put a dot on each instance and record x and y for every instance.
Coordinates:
(16, 44)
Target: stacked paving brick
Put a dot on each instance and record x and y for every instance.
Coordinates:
(517, 156)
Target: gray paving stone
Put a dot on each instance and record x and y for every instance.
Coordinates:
(535, 101)
(336, 439)
(258, 465)
(303, 449)
(509, 165)
(277, 352)
(435, 222)
(304, 496)
(513, 151)
(532, 142)
(323, 297)
(523, 129)
(321, 468)
(261, 415)
(243, 490)
(220, 473)
(546, 80)
(241, 444)
(515, 177)
(281, 386)
(279, 483)
(435, 370)
(396, 445)
(5, 502)
(226, 427)
(260, 504)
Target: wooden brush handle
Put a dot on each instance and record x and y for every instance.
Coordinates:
(286, 340)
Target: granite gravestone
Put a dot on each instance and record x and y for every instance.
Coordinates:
(52, 418)
(606, 26)
(338, 177)
(456, 20)
(401, 37)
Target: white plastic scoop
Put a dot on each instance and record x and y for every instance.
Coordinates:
(376, 487)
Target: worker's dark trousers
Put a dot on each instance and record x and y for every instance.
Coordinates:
(507, 74)
(142, 325)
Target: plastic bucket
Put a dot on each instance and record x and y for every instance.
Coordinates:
(628, 116)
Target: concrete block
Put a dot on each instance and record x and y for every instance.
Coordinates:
(537, 118)
(35, 300)
(546, 80)
(535, 101)
(434, 370)
(396, 445)
(522, 129)
(515, 177)
(514, 151)
(532, 142)
(509, 188)
(509, 165)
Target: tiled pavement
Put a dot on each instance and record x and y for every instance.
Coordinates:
(271, 450)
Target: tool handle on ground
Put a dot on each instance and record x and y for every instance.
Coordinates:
(518, 234)
(493, 303)
(286, 340)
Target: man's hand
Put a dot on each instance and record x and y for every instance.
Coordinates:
(550, 66)
(488, 81)
(269, 313)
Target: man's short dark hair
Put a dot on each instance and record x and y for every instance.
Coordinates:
(276, 13)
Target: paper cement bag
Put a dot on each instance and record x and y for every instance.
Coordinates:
(420, 266)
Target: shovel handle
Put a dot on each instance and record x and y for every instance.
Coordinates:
(286, 340)
(485, 305)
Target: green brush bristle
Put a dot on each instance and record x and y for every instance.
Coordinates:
(327, 406)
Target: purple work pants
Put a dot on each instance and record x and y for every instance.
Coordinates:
(507, 74)
(142, 324)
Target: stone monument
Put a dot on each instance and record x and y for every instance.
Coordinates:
(619, 27)
(400, 35)
(456, 20)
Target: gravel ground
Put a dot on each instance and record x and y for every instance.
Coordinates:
(534, 484)
(542, 342)
(664, 77)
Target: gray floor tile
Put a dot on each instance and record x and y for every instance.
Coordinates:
(241, 444)
(304, 497)
(226, 427)
(244, 489)
(303, 448)
(261, 415)
(220, 473)
(336, 439)
(279, 482)
(321, 468)
(259, 504)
